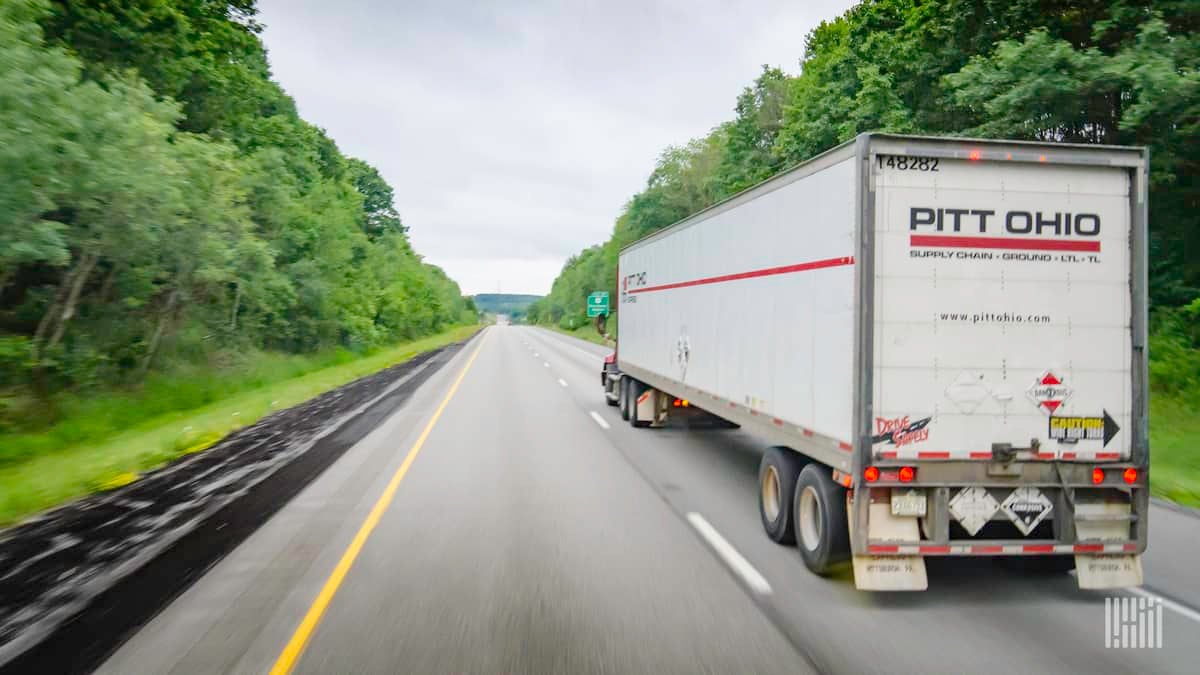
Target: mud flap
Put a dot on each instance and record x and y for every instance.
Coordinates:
(1096, 571)
(652, 405)
(1108, 571)
(890, 572)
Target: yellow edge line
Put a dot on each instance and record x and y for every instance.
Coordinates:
(295, 647)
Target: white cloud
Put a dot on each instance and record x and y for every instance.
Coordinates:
(514, 133)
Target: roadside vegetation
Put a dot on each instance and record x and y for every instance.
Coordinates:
(1118, 72)
(172, 232)
(106, 442)
(586, 332)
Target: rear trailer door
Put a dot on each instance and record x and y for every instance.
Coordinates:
(1002, 308)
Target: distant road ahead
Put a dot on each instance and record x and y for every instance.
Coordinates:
(534, 532)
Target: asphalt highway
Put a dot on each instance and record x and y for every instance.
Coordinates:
(505, 520)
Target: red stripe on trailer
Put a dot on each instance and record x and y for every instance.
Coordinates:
(987, 549)
(842, 445)
(1045, 455)
(770, 271)
(934, 549)
(933, 454)
(1038, 548)
(889, 454)
(1130, 547)
(732, 404)
(1089, 548)
(1014, 243)
(754, 412)
(643, 397)
(807, 432)
(875, 548)
(1108, 455)
(777, 422)
(1068, 455)
(980, 455)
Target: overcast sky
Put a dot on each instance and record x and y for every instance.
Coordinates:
(514, 132)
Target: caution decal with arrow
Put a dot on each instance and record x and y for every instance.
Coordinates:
(1072, 429)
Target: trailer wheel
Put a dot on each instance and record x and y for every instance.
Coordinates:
(611, 397)
(820, 515)
(777, 474)
(623, 397)
(636, 389)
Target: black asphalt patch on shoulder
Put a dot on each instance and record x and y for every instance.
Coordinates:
(79, 581)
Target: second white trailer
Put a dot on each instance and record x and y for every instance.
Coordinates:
(942, 339)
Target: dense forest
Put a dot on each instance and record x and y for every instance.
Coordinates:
(162, 202)
(512, 304)
(1119, 72)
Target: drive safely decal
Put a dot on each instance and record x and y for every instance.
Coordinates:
(899, 431)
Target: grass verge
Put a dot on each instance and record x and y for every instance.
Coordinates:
(586, 333)
(1175, 450)
(40, 481)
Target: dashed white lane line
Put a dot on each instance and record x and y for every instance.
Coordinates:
(546, 364)
(729, 554)
(1168, 603)
(562, 382)
(599, 420)
(535, 355)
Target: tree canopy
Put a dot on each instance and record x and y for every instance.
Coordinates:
(162, 200)
(1082, 71)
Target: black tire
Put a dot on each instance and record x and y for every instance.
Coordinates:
(777, 474)
(606, 383)
(636, 389)
(828, 543)
(623, 397)
(1039, 564)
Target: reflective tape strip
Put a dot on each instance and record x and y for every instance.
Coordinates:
(912, 453)
(999, 549)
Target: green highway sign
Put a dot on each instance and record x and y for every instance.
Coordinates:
(598, 304)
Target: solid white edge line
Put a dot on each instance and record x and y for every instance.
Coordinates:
(729, 554)
(1168, 603)
(599, 420)
(581, 350)
(562, 382)
(1183, 610)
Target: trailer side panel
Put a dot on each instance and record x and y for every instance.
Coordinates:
(754, 305)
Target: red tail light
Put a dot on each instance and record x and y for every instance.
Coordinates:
(871, 473)
(1097, 476)
(907, 474)
(1130, 475)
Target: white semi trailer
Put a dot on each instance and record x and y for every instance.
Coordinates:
(942, 340)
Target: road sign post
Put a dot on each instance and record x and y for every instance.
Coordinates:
(597, 304)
